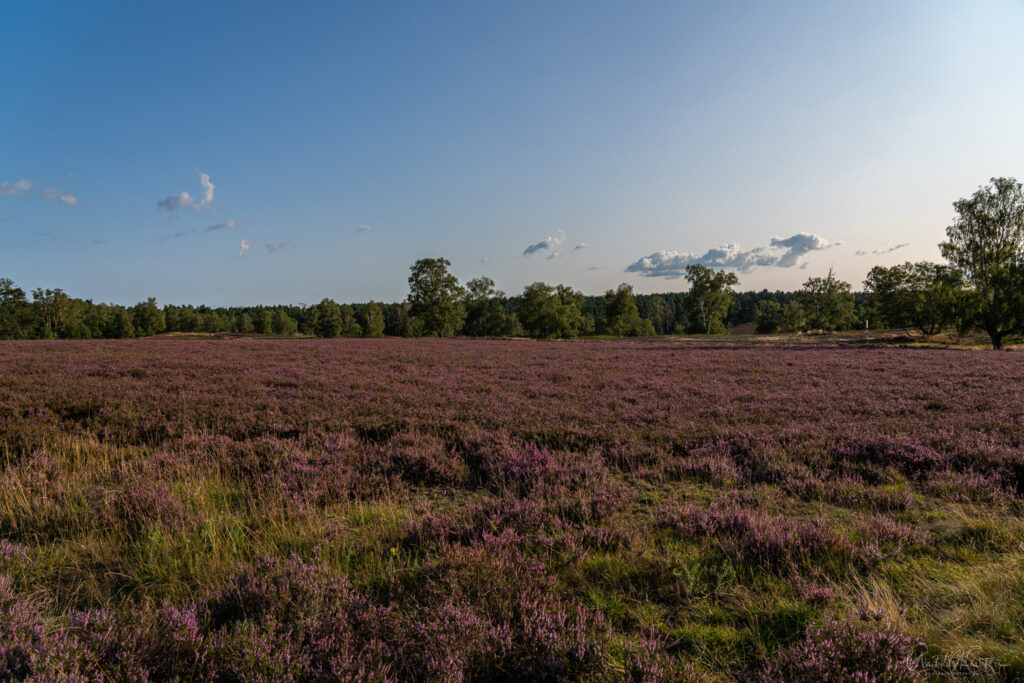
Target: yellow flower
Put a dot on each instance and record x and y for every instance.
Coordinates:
(394, 550)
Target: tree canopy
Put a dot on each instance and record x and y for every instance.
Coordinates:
(435, 298)
(986, 242)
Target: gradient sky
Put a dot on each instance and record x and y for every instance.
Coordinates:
(343, 141)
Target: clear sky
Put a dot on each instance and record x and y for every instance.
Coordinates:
(239, 153)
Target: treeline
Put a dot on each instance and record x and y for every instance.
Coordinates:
(439, 306)
(980, 288)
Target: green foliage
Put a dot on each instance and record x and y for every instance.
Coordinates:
(769, 316)
(327, 319)
(373, 321)
(986, 242)
(284, 324)
(548, 312)
(923, 295)
(827, 303)
(148, 318)
(793, 318)
(349, 325)
(707, 302)
(621, 314)
(435, 298)
(485, 310)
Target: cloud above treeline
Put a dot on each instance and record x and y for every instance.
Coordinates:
(549, 243)
(229, 224)
(278, 246)
(887, 250)
(364, 228)
(20, 188)
(780, 253)
(16, 189)
(184, 200)
(244, 246)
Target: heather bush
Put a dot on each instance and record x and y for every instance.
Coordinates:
(496, 510)
(862, 648)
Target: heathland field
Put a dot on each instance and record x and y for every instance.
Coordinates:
(398, 509)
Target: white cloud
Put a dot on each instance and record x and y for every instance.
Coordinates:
(177, 201)
(278, 246)
(581, 245)
(549, 243)
(244, 246)
(364, 228)
(16, 189)
(229, 224)
(69, 199)
(859, 252)
(184, 200)
(782, 253)
(798, 245)
(891, 249)
(208, 187)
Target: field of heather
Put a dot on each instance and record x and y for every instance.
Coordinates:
(394, 509)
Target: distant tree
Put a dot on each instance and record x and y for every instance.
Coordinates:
(373, 321)
(15, 311)
(793, 318)
(435, 298)
(621, 314)
(147, 318)
(549, 312)
(709, 297)
(172, 319)
(283, 323)
(827, 303)
(891, 302)
(986, 242)
(924, 295)
(660, 314)
(119, 324)
(328, 319)
(768, 316)
(349, 325)
(243, 324)
(265, 321)
(485, 312)
(396, 320)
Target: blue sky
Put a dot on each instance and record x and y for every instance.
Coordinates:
(340, 142)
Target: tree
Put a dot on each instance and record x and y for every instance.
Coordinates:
(709, 297)
(659, 313)
(793, 318)
(243, 324)
(148, 318)
(328, 319)
(768, 316)
(435, 298)
(621, 314)
(119, 325)
(15, 311)
(485, 311)
(373, 321)
(986, 242)
(549, 312)
(922, 294)
(283, 323)
(827, 303)
(349, 325)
